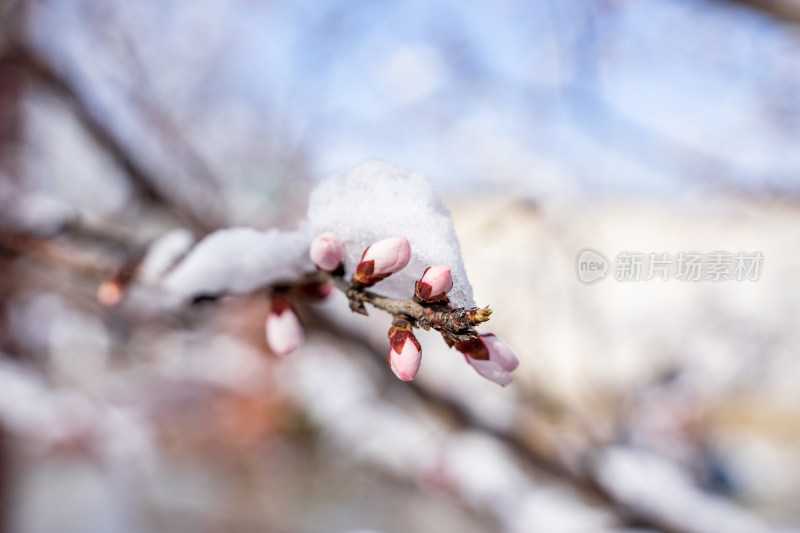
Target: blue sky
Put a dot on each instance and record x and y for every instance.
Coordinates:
(542, 98)
(608, 95)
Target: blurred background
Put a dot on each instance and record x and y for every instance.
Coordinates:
(548, 127)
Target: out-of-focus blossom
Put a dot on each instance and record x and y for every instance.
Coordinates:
(109, 293)
(327, 252)
(284, 331)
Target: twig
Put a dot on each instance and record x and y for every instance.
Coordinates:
(455, 325)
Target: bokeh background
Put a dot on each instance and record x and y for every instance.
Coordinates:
(547, 127)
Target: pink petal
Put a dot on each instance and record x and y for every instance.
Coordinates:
(491, 371)
(500, 352)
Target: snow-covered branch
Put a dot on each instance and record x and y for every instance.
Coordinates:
(377, 226)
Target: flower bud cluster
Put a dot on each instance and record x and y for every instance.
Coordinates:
(488, 355)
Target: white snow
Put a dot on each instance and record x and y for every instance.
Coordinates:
(164, 253)
(373, 201)
(378, 199)
(240, 260)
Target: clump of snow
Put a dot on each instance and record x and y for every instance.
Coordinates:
(240, 260)
(164, 253)
(376, 200)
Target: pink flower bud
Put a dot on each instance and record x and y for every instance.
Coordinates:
(284, 331)
(490, 357)
(436, 282)
(389, 255)
(406, 353)
(382, 259)
(327, 252)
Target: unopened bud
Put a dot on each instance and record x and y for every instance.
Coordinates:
(478, 316)
(490, 357)
(284, 332)
(382, 259)
(406, 353)
(434, 285)
(327, 252)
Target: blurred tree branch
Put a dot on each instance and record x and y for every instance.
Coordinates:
(29, 61)
(523, 446)
(529, 441)
(784, 10)
(579, 474)
(535, 440)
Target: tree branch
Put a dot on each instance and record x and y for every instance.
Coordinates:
(41, 250)
(455, 325)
